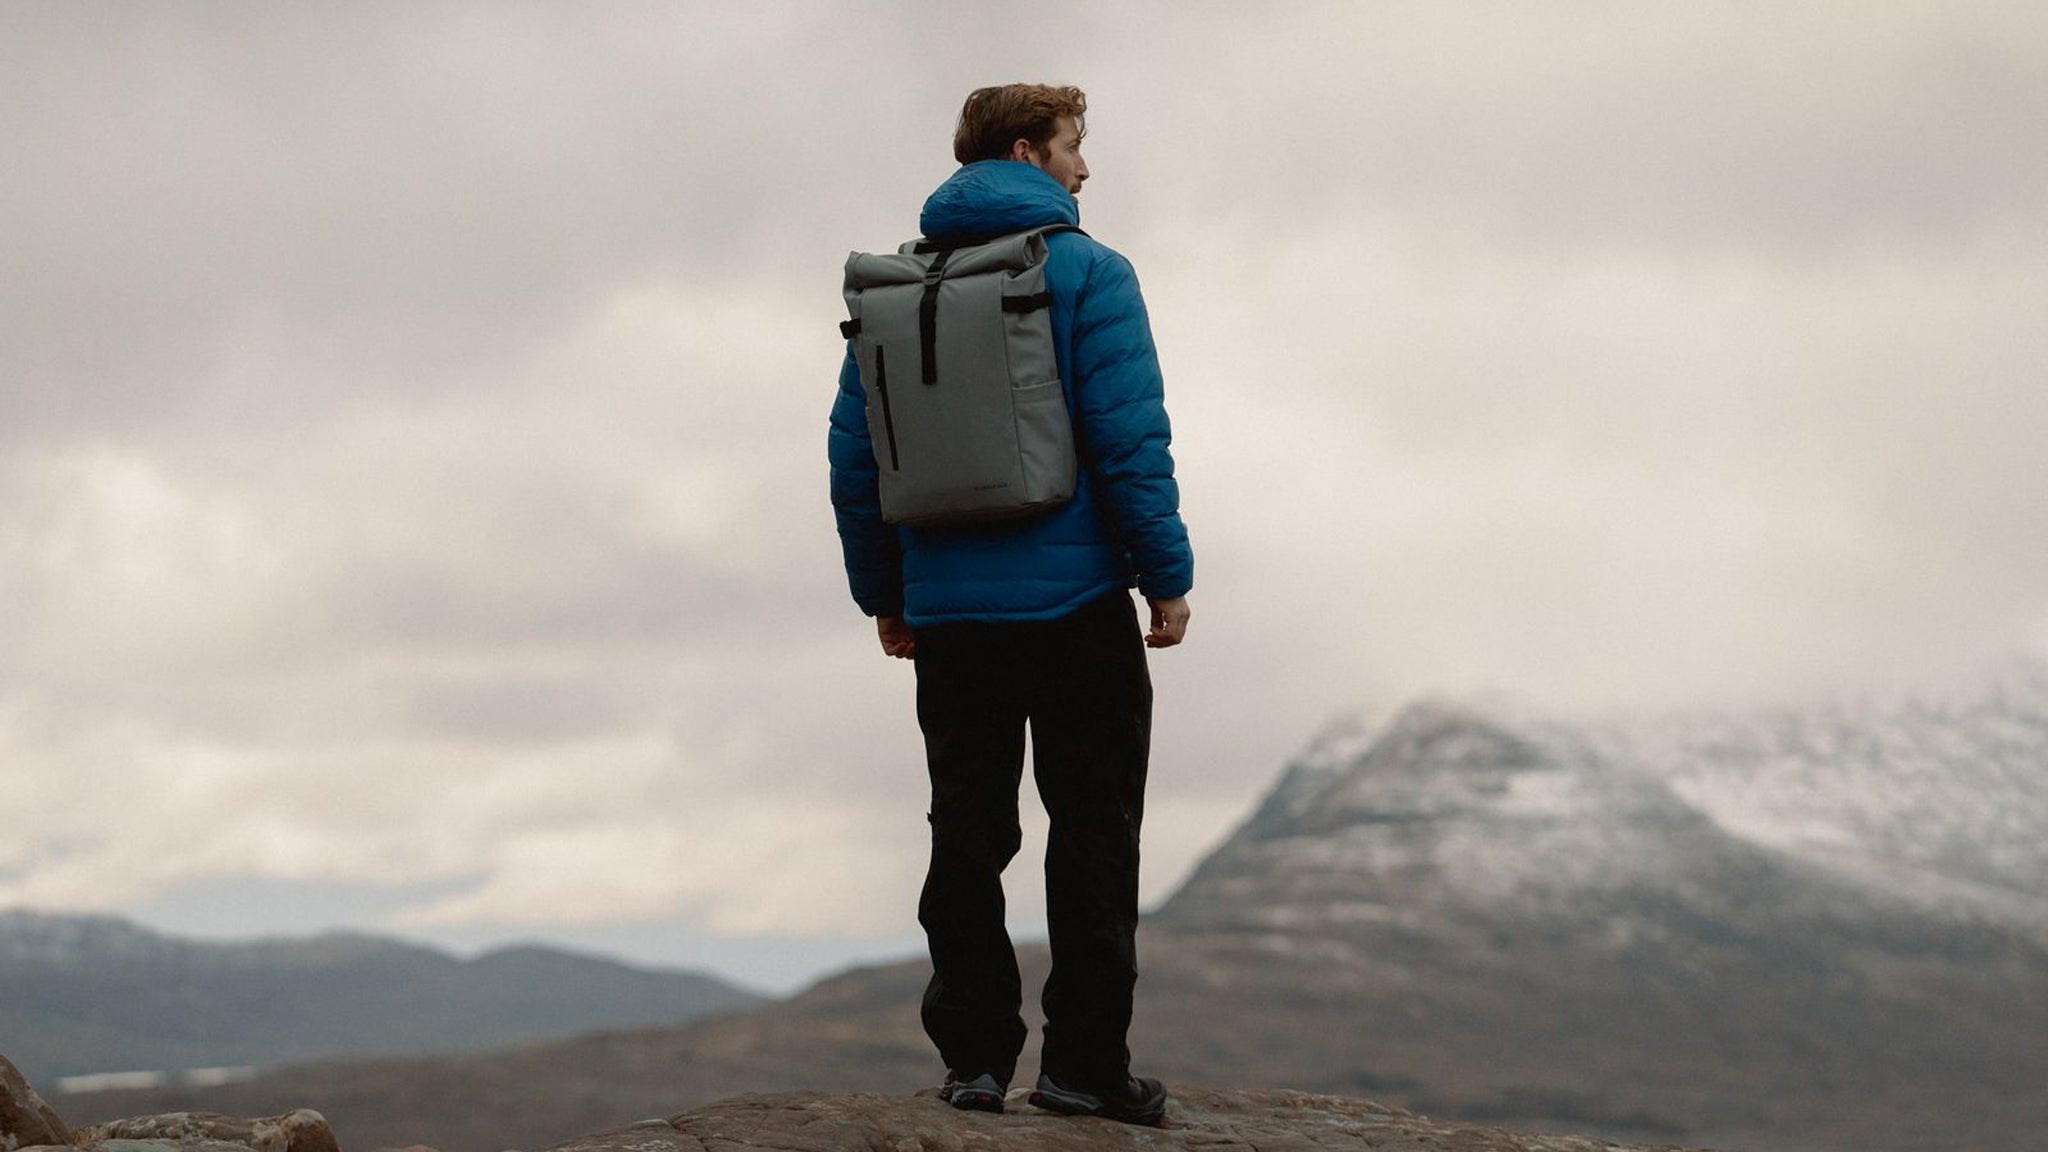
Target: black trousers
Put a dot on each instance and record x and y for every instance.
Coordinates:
(1081, 685)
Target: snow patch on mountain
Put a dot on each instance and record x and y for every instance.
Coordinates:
(1940, 806)
(1941, 801)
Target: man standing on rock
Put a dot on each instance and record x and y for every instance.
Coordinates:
(1030, 623)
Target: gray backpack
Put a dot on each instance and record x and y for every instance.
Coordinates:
(964, 405)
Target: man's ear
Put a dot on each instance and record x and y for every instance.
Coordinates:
(1020, 149)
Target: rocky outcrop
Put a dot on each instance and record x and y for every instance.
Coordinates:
(1272, 1121)
(24, 1119)
(1275, 1121)
(303, 1130)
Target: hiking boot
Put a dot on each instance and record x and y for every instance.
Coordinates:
(983, 1093)
(1135, 1101)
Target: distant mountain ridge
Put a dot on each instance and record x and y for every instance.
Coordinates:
(90, 994)
(1456, 809)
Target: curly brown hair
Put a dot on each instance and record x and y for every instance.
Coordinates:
(995, 118)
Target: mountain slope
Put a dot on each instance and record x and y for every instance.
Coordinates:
(1493, 917)
(87, 994)
(1942, 801)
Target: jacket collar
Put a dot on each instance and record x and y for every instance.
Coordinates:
(992, 197)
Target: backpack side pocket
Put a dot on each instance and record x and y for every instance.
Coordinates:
(1045, 443)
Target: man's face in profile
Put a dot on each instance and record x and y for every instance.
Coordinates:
(1061, 157)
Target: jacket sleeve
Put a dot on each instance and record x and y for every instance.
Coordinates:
(1125, 439)
(873, 553)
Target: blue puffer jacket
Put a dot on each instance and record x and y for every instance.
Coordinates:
(1123, 526)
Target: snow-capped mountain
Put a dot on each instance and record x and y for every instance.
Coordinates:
(1941, 804)
(1798, 930)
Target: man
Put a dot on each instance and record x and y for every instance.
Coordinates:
(1030, 623)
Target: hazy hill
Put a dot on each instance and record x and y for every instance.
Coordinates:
(91, 994)
(1483, 914)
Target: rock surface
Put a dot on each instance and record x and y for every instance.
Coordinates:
(302, 1130)
(27, 1122)
(1274, 1121)
(1270, 1121)
(24, 1118)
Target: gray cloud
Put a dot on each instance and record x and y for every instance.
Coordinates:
(1744, 127)
(411, 416)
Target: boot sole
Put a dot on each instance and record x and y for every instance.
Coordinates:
(1082, 1104)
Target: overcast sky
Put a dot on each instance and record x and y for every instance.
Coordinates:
(412, 484)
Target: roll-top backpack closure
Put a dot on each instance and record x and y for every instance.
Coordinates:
(982, 431)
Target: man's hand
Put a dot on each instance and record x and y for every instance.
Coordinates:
(1169, 622)
(897, 638)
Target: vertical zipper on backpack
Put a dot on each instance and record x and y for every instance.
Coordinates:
(888, 418)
